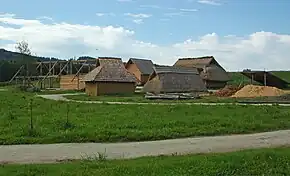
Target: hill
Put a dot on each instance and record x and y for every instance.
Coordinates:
(14, 56)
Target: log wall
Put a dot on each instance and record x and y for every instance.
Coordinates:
(67, 84)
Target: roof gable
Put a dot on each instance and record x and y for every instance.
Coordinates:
(108, 60)
(197, 61)
(145, 66)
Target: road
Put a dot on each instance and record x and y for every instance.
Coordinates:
(49, 153)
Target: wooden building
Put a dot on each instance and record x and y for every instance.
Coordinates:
(141, 68)
(71, 82)
(212, 73)
(110, 77)
(266, 78)
(168, 79)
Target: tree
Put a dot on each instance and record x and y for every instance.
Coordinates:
(23, 48)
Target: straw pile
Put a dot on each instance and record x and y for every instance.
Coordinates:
(258, 91)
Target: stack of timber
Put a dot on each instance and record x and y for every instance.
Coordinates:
(66, 82)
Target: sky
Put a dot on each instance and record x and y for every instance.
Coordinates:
(240, 34)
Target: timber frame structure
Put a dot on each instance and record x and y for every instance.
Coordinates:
(53, 69)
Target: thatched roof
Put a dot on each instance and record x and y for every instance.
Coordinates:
(110, 70)
(174, 80)
(145, 66)
(209, 68)
(108, 60)
(196, 61)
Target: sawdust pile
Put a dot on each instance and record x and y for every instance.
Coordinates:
(258, 91)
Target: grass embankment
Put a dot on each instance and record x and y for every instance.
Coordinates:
(267, 162)
(111, 123)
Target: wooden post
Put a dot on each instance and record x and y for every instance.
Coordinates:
(67, 69)
(49, 73)
(60, 67)
(41, 74)
(252, 79)
(71, 68)
(265, 79)
(78, 82)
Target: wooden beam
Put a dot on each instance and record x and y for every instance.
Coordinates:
(48, 74)
(77, 74)
(16, 73)
(63, 68)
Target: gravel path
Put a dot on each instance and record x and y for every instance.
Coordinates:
(58, 152)
(60, 97)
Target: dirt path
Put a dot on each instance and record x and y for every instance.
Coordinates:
(60, 97)
(56, 152)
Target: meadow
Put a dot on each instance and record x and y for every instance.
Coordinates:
(58, 122)
(266, 162)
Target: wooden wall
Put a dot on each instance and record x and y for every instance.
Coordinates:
(67, 84)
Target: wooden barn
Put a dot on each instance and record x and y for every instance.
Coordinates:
(110, 77)
(141, 68)
(168, 79)
(212, 73)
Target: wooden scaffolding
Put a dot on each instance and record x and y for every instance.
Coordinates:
(47, 73)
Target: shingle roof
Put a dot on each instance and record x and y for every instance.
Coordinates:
(110, 72)
(145, 66)
(174, 80)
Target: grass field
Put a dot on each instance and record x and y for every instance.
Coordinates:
(110, 123)
(266, 162)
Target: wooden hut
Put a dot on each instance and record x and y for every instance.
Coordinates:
(167, 79)
(110, 77)
(212, 73)
(141, 68)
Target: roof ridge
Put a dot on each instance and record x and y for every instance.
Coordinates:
(192, 58)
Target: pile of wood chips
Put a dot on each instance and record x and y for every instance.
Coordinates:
(227, 91)
(258, 91)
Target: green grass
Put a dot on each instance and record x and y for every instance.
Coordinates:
(266, 162)
(111, 123)
(45, 92)
(239, 79)
(285, 75)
